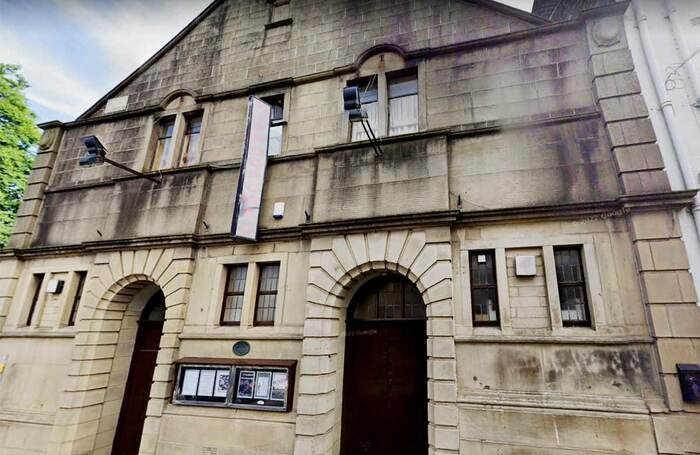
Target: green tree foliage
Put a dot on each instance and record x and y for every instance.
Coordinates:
(18, 138)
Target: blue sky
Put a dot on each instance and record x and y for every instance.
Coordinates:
(72, 52)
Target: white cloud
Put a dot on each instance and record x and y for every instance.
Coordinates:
(130, 31)
(53, 85)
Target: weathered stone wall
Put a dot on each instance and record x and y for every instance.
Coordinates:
(231, 48)
(511, 156)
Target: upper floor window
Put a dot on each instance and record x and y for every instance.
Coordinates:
(177, 141)
(233, 296)
(267, 294)
(403, 104)
(162, 159)
(391, 102)
(76, 298)
(190, 145)
(484, 292)
(274, 145)
(37, 282)
(572, 287)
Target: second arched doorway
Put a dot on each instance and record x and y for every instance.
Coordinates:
(138, 385)
(385, 402)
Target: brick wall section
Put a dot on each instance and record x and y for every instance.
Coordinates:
(230, 49)
(667, 286)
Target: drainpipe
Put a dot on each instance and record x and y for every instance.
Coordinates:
(667, 109)
(672, 131)
(684, 51)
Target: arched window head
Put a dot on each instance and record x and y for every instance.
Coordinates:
(388, 86)
(387, 297)
(177, 131)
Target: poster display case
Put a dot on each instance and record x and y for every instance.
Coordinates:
(259, 384)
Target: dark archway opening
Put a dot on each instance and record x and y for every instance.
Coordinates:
(138, 385)
(385, 402)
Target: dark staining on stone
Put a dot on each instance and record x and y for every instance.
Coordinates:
(515, 366)
(403, 162)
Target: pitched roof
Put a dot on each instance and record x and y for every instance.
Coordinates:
(491, 4)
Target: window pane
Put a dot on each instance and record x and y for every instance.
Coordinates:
(237, 278)
(484, 305)
(403, 86)
(233, 301)
(482, 273)
(482, 269)
(368, 88)
(572, 287)
(267, 293)
(190, 146)
(268, 277)
(403, 115)
(274, 145)
(76, 299)
(162, 158)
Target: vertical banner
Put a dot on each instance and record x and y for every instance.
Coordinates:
(250, 181)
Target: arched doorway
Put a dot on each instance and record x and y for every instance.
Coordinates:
(138, 385)
(385, 402)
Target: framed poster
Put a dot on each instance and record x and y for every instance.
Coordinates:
(222, 382)
(246, 384)
(246, 211)
(280, 383)
(264, 385)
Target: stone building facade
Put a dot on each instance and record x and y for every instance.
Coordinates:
(521, 140)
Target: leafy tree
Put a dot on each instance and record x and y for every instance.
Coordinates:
(18, 138)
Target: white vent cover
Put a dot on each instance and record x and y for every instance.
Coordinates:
(525, 266)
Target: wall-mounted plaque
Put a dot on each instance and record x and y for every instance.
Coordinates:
(265, 385)
(241, 348)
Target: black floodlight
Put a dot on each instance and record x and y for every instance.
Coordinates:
(352, 104)
(97, 154)
(351, 98)
(95, 151)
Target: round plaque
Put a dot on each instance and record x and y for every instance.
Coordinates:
(241, 348)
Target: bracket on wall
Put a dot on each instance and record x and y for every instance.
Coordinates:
(97, 154)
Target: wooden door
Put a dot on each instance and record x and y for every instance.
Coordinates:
(138, 384)
(385, 380)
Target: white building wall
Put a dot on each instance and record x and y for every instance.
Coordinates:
(667, 62)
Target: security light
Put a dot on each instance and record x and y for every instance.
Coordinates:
(95, 151)
(97, 154)
(352, 104)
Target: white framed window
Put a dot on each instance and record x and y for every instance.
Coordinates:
(391, 102)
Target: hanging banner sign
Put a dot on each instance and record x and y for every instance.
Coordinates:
(250, 181)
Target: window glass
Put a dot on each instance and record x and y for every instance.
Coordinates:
(164, 147)
(233, 298)
(37, 281)
(403, 105)
(387, 297)
(267, 294)
(190, 145)
(482, 274)
(274, 145)
(76, 299)
(572, 286)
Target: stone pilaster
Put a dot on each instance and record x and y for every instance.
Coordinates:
(662, 264)
(38, 181)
